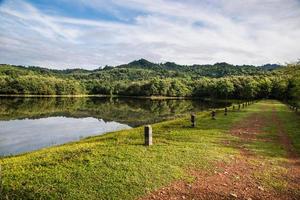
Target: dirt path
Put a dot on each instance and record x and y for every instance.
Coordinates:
(293, 162)
(238, 180)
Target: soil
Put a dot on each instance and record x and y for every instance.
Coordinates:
(236, 179)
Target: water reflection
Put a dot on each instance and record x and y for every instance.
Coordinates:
(133, 112)
(27, 124)
(29, 134)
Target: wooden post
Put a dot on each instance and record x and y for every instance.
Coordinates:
(148, 135)
(193, 120)
(213, 115)
(243, 105)
(233, 107)
(296, 109)
(225, 111)
(239, 106)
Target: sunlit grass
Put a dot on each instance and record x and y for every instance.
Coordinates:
(272, 155)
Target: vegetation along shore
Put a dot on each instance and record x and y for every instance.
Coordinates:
(142, 78)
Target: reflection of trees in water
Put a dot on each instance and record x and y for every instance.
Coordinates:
(124, 110)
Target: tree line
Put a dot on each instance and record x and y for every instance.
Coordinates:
(236, 87)
(283, 83)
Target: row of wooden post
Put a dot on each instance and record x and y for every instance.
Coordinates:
(243, 105)
(148, 128)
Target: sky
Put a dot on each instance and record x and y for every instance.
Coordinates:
(93, 33)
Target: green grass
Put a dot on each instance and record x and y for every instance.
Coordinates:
(118, 166)
(290, 120)
(272, 154)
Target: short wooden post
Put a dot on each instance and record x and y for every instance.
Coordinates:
(239, 106)
(225, 111)
(148, 135)
(243, 105)
(193, 120)
(213, 115)
(233, 107)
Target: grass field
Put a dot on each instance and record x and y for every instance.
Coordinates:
(118, 166)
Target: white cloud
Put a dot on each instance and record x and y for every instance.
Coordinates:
(186, 32)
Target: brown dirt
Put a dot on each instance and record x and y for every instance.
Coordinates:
(237, 180)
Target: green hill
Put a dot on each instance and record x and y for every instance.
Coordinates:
(144, 78)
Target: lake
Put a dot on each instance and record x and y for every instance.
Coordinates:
(32, 123)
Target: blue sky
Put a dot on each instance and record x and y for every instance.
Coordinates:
(88, 34)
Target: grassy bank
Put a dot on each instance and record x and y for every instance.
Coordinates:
(118, 166)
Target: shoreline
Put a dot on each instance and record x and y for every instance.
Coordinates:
(120, 96)
(99, 95)
(204, 113)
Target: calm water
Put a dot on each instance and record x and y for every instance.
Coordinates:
(28, 124)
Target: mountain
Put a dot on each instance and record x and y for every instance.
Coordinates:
(144, 69)
(216, 70)
(270, 66)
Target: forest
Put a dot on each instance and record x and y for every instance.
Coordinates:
(143, 78)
